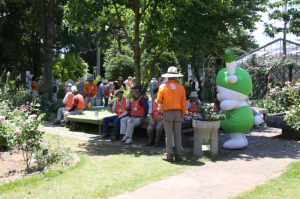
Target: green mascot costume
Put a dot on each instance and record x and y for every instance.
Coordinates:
(234, 85)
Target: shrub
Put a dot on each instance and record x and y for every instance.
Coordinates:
(120, 65)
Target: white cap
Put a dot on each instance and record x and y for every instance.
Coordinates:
(74, 89)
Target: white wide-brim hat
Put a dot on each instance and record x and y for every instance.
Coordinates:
(193, 94)
(105, 81)
(172, 72)
(129, 77)
(69, 84)
(118, 91)
(153, 80)
(74, 89)
(82, 79)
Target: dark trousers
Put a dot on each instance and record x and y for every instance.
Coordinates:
(116, 120)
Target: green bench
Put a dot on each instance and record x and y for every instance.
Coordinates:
(88, 116)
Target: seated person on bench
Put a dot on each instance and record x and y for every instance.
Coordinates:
(118, 107)
(155, 123)
(139, 111)
(193, 102)
(77, 107)
(68, 101)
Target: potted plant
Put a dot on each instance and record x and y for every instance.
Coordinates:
(206, 125)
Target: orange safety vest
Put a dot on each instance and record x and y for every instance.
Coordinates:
(81, 104)
(128, 84)
(34, 86)
(70, 100)
(107, 92)
(113, 91)
(154, 109)
(194, 107)
(121, 109)
(136, 108)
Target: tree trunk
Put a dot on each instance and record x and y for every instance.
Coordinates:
(194, 67)
(137, 55)
(47, 36)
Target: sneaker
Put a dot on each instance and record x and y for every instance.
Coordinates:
(128, 141)
(106, 135)
(168, 158)
(157, 144)
(57, 122)
(124, 138)
(115, 138)
(177, 158)
(150, 143)
(63, 124)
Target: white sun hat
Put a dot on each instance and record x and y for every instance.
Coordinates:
(74, 89)
(193, 94)
(172, 72)
(105, 81)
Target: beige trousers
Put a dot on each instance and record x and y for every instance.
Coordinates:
(172, 124)
(128, 124)
(158, 126)
(75, 112)
(88, 100)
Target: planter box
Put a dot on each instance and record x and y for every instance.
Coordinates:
(202, 130)
(276, 121)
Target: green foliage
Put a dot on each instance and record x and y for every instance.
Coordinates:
(121, 65)
(286, 11)
(207, 113)
(69, 67)
(58, 155)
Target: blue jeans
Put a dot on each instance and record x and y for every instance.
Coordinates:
(60, 113)
(116, 120)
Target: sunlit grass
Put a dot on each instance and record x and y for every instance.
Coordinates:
(103, 171)
(285, 186)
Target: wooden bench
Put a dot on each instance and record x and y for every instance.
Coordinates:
(88, 116)
(262, 111)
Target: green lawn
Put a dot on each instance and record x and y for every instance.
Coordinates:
(285, 186)
(103, 171)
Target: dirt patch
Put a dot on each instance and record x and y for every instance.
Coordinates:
(12, 164)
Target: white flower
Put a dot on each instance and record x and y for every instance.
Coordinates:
(287, 82)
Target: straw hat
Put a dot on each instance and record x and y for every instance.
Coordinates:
(120, 78)
(193, 94)
(172, 72)
(74, 89)
(118, 91)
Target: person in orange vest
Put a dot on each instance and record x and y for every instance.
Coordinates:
(139, 111)
(119, 108)
(128, 83)
(172, 101)
(90, 90)
(34, 87)
(77, 107)
(155, 123)
(68, 102)
(193, 103)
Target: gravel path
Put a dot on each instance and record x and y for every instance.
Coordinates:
(264, 158)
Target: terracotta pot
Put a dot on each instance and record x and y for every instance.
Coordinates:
(202, 130)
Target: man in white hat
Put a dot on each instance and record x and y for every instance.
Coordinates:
(81, 86)
(90, 90)
(119, 108)
(172, 101)
(128, 83)
(102, 92)
(193, 103)
(77, 106)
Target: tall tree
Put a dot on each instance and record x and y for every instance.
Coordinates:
(288, 12)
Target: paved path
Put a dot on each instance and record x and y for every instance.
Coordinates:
(264, 158)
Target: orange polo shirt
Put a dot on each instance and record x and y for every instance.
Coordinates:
(172, 96)
(90, 88)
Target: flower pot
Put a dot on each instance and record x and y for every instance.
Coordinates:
(276, 121)
(202, 131)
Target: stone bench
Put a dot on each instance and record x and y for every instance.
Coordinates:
(262, 111)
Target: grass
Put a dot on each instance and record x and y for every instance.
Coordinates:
(103, 171)
(287, 185)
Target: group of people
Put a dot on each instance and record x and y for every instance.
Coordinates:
(165, 112)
